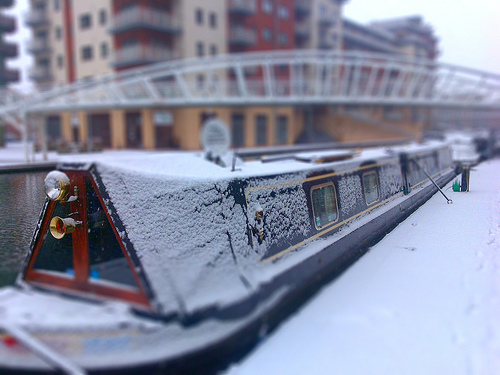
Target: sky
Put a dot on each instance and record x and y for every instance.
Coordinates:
(468, 30)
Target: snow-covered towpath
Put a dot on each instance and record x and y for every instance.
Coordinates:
(425, 300)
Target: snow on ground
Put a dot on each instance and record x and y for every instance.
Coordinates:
(425, 300)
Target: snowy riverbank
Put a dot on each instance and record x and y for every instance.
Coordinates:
(425, 300)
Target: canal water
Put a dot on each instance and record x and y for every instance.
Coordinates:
(21, 200)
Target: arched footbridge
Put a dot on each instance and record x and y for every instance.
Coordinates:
(296, 77)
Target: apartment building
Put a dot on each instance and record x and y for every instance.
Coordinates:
(70, 40)
(77, 40)
(7, 50)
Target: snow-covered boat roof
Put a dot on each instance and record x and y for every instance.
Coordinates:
(193, 165)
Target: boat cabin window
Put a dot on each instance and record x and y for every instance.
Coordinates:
(56, 256)
(324, 204)
(370, 187)
(106, 259)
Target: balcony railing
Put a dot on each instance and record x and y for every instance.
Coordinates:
(141, 55)
(138, 17)
(243, 7)
(7, 24)
(326, 19)
(303, 7)
(36, 18)
(242, 36)
(351, 35)
(41, 74)
(38, 46)
(326, 43)
(6, 3)
(8, 49)
(9, 75)
(302, 30)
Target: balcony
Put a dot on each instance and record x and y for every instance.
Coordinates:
(38, 46)
(8, 75)
(7, 24)
(145, 18)
(303, 7)
(8, 49)
(326, 43)
(366, 41)
(36, 18)
(326, 20)
(242, 36)
(6, 3)
(302, 31)
(40, 74)
(243, 7)
(141, 55)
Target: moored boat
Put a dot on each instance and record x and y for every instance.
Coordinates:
(171, 260)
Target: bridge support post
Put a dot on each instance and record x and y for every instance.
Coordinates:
(67, 129)
(148, 129)
(82, 121)
(118, 130)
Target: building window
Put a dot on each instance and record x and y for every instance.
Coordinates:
(103, 17)
(283, 39)
(85, 21)
(282, 130)
(213, 49)
(238, 130)
(200, 49)
(370, 187)
(267, 34)
(57, 5)
(267, 6)
(261, 130)
(104, 50)
(58, 32)
(87, 53)
(60, 61)
(199, 16)
(283, 12)
(324, 203)
(213, 20)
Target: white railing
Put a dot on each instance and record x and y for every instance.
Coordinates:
(139, 15)
(37, 45)
(142, 53)
(36, 17)
(247, 6)
(241, 34)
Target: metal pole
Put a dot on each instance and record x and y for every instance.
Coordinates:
(448, 200)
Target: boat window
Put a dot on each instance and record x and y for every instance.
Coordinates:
(370, 187)
(56, 255)
(324, 203)
(107, 262)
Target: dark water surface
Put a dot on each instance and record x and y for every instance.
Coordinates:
(21, 200)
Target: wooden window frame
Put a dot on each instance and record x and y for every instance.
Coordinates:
(316, 187)
(81, 282)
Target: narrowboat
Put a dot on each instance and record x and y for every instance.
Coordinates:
(173, 261)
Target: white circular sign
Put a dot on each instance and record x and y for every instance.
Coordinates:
(215, 137)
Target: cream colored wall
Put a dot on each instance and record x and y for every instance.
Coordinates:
(330, 7)
(57, 46)
(192, 32)
(95, 35)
